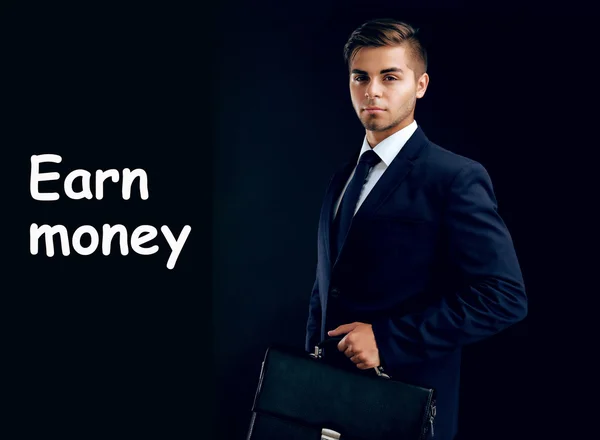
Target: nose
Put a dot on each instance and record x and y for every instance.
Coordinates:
(373, 90)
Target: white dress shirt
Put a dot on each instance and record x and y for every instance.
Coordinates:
(387, 150)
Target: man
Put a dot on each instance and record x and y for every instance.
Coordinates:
(414, 260)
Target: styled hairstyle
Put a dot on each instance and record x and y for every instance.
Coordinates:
(387, 32)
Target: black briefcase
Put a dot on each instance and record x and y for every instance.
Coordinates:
(303, 396)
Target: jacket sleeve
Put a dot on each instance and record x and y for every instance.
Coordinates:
(313, 325)
(492, 294)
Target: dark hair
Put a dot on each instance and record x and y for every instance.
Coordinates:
(387, 32)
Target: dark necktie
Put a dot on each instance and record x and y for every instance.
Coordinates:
(347, 206)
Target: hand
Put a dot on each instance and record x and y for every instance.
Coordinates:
(358, 344)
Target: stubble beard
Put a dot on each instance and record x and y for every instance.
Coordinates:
(371, 123)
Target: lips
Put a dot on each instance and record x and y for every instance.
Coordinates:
(373, 109)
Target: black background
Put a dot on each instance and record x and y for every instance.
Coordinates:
(239, 115)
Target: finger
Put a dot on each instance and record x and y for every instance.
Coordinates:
(363, 366)
(342, 329)
(357, 359)
(348, 352)
(343, 344)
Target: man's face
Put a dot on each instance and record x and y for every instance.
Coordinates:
(384, 89)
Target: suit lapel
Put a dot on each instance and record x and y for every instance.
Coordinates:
(397, 171)
(333, 191)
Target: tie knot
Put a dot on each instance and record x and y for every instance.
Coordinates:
(370, 158)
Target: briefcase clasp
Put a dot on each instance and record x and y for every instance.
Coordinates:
(380, 373)
(318, 353)
(329, 434)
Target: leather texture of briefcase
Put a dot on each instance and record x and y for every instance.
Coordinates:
(301, 396)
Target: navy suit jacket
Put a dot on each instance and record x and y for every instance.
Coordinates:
(428, 262)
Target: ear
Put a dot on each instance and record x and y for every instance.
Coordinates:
(422, 84)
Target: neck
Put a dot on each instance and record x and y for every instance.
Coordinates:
(375, 137)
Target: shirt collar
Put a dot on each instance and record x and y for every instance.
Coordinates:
(388, 148)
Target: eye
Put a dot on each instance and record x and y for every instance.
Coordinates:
(359, 78)
(393, 78)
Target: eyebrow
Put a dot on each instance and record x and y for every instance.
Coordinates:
(391, 69)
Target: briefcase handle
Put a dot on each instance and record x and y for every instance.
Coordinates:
(334, 341)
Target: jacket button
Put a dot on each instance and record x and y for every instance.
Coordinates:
(335, 293)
